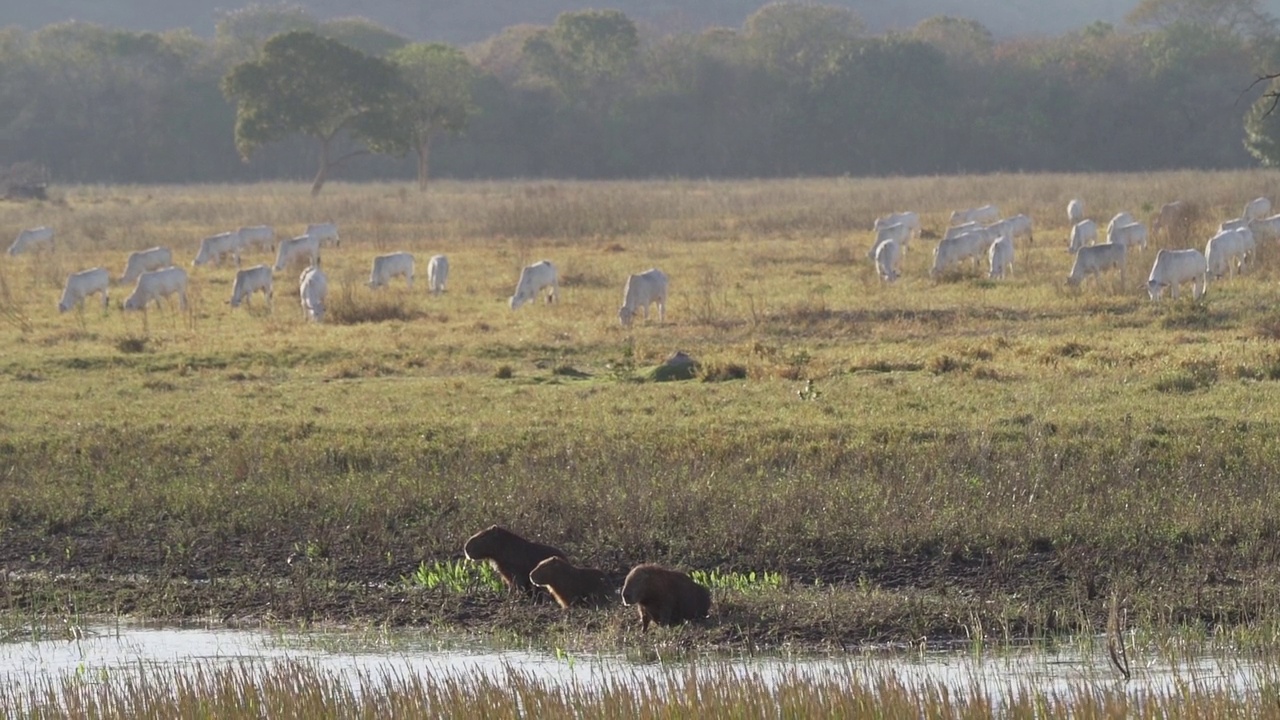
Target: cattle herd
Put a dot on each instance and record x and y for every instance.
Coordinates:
(981, 232)
(660, 594)
(156, 277)
(972, 234)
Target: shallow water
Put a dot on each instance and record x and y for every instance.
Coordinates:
(107, 653)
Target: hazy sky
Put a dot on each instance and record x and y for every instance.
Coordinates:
(462, 21)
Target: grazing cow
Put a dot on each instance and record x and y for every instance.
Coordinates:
(533, 279)
(144, 260)
(1174, 219)
(1015, 227)
(1121, 218)
(216, 247)
(249, 281)
(313, 285)
(1128, 235)
(1000, 255)
(1267, 228)
(437, 273)
(1256, 208)
(262, 237)
(83, 284)
(641, 290)
(1083, 233)
(953, 250)
(1075, 211)
(897, 232)
(293, 249)
(155, 284)
(1174, 267)
(326, 233)
(32, 239)
(1233, 224)
(385, 267)
(983, 214)
(1226, 252)
(889, 260)
(908, 218)
(961, 229)
(1093, 259)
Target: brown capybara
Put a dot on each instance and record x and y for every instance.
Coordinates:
(570, 584)
(665, 596)
(511, 555)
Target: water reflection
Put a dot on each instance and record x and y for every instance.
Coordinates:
(106, 654)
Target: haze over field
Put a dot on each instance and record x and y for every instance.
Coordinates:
(464, 22)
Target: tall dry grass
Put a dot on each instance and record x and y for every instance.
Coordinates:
(302, 689)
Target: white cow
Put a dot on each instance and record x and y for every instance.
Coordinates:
(1234, 223)
(642, 290)
(961, 229)
(1075, 211)
(983, 214)
(1226, 252)
(437, 273)
(295, 248)
(1121, 218)
(216, 247)
(1093, 259)
(262, 237)
(1128, 235)
(143, 260)
(909, 218)
(1267, 228)
(313, 285)
(1017, 226)
(1083, 233)
(1256, 208)
(1174, 267)
(385, 267)
(898, 232)
(1000, 255)
(155, 284)
(32, 239)
(889, 260)
(249, 281)
(326, 233)
(533, 279)
(83, 284)
(953, 250)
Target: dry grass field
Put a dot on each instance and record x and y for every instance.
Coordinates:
(916, 458)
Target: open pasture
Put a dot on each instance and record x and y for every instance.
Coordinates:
(921, 458)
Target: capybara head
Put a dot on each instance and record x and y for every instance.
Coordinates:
(485, 543)
(551, 570)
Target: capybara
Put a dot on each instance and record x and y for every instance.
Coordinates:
(570, 584)
(511, 555)
(665, 596)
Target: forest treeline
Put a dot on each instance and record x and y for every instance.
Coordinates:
(798, 89)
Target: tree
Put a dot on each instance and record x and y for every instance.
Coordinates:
(801, 38)
(1246, 18)
(1262, 127)
(585, 53)
(434, 98)
(315, 86)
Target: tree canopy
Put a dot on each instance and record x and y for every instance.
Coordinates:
(312, 85)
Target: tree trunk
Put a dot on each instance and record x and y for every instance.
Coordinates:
(424, 155)
(323, 173)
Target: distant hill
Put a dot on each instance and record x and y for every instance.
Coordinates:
(466, 21)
